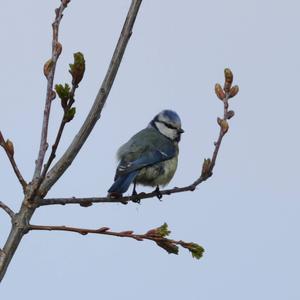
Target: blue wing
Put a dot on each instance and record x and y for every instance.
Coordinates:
(128, 170)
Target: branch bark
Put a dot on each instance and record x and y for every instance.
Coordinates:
(7, 209)
(10, 154)
(95, 113)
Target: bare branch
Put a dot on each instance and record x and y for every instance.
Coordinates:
(88, 201)
(7, 209)
(157, 235)
(49, 71)
(94, 115)
(8, 147)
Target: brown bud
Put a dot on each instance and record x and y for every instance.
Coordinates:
(58, 48)
(206, 167)
(219, 120)
(65, 2)
(224, 126)
(228, 79)
(219, 91)
(48, 67)
(2, 142)
(233, 91)
(9, 146)
(53, 95)
(230, 114)
(127, 232)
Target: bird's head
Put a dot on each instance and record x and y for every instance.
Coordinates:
(168, 123)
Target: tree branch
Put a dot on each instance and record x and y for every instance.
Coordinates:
(94, 115)
(49, 71)
(207, 167)
(9, 150)
(7, 209)
(157, 235)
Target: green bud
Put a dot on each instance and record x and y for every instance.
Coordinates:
(69, 115)
(161, 231)
(77, 68)
(168, 246)
(196, 250)
(63, 93)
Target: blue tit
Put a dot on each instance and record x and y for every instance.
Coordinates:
(150, 157)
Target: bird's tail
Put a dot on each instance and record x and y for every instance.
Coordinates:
(122, 183)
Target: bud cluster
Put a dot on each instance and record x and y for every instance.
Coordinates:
(224, 94)
(65, 92)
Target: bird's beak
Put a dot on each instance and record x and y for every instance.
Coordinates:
(180, 130)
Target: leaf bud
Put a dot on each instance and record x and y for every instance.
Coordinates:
(9, 146)
(228, 79)
(230, 114)
(48, 67)
(58, 48)
(77, 68)
(69, 115)
(233, 91)
(224, 125)
(219, 91)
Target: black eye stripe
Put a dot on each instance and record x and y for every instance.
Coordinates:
(169, 126)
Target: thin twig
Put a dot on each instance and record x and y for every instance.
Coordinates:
(102, 230)
(7, 209)
(13, 162)
(221, 135)
(58, 136)
(94, 115)
(56, 50)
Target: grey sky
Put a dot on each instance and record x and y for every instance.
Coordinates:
(246, 216)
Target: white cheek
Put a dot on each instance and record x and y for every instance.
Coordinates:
(168, 132)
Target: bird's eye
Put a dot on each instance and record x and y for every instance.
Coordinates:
(169, 125)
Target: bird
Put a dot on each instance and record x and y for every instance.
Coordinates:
(150, 157)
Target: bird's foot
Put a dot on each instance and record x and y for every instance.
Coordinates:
(158, 193)
(135, 200)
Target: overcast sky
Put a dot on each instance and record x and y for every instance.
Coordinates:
(246, 216)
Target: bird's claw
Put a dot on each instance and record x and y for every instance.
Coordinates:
(158, 193)
(134, 193)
